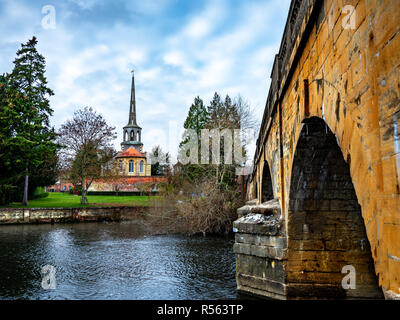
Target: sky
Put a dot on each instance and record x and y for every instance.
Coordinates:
(179, 49)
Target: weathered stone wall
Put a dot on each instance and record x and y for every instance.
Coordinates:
(260, 247)
(349, 78)
(326, 231)
(51, 215)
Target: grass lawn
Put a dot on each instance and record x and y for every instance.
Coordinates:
(61, 200)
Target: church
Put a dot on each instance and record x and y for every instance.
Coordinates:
(131, 172)
(132, 160)
(130, 163)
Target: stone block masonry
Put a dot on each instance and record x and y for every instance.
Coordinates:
(328, 150)
(55, 215)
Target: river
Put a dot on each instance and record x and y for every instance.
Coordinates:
(113, 261)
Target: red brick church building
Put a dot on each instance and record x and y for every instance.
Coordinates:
(133, 171)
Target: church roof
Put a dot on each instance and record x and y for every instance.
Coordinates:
(131, 153)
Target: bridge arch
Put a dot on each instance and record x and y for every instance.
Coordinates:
(267, 192)
(325, 227)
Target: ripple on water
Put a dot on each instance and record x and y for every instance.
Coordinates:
(114, 261)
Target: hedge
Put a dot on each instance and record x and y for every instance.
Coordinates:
(121, 193)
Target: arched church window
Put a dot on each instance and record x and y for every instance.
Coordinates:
(132, 135)
(131, 166)
(141, 166)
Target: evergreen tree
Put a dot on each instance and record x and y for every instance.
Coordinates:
(218, 115)
(197, 116)
(29, 108)
(196, 120)
(7, 183)
(215, 112)
(223, 115)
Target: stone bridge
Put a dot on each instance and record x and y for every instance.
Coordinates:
(324, 194)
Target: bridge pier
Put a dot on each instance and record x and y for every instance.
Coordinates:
(302, 253)
(261, 250)
(267, 267)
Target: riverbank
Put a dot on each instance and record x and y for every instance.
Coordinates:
(66, 200)
(57, 215)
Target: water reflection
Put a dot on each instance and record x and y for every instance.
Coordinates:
(113, 261)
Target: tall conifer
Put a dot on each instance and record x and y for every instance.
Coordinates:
(28, 103)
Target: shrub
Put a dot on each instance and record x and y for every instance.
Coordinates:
(41, 195)
(206, 209)
(212, 211)
(6, 193)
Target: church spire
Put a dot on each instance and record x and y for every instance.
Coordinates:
(132, 133)
(132, 109)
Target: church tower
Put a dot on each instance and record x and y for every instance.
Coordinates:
(132, 133)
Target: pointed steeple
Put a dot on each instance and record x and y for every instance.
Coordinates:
(132, 133)
(132, 109)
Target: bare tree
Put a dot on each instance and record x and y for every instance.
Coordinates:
(246, 114)
(87, 147)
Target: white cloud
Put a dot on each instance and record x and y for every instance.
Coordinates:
(174, 58)
(212, 46)
(86, 4)
(201, 25)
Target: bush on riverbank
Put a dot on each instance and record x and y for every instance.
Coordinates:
(6, 193)
(204, 209)
(211, 212)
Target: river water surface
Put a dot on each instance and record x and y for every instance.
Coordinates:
(113, 261)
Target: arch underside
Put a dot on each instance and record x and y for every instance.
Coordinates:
(326, 231)
(266, 184)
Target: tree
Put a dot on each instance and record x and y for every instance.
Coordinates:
(212, 187)
(219, 115)
(159, 161)
(196, 120)
(27, 112)
(87, 145)
(197, 116)
(7, 181)
(45, 174)
(222, 115)
(216, 113)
